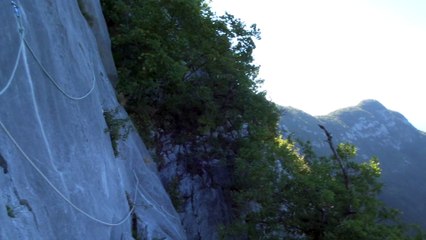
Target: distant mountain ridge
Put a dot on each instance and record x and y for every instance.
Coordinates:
(376, 131)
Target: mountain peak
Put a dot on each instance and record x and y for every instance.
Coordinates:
(371, 105)
(376, 131)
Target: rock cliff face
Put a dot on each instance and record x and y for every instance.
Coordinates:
(59, 176)
(376, 131)
(203, 202)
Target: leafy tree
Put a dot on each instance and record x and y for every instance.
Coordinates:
(187, 76)
(184, 71)
(289, 196)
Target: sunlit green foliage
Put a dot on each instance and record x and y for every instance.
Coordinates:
(306, 198)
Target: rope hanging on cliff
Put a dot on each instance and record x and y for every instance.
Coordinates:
(18, 16)
(154, 204)
(54, 82)
(162, 211)
(21, 46)
(60, 193)
(25, 43)
(15, 67)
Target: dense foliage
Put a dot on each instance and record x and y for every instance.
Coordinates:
(187, 75)
(183, 71)
(305, 197)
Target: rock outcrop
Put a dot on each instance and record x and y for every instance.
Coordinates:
(60, 177)
(376, 131)
(202, 192)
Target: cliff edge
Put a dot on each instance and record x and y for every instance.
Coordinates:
(67, 170)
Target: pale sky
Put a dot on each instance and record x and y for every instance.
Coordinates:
(319, 56)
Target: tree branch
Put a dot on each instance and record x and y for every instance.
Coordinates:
(336, 156)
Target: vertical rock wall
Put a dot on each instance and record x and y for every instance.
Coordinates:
(202, 192)
(59, 176)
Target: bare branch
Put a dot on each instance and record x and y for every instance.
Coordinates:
(336, 156)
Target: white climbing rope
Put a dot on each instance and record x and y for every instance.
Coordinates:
(54, 81)
(162, 211)
(17, 11)
(154, 204)
(15, 67)
(25, 43)
(61, 194)
(21, 46)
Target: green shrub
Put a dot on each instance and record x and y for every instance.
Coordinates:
(10, 211)
(118, 128)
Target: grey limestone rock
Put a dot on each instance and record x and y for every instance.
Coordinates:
(63, 180)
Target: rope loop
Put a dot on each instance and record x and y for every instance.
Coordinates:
(56, 189)
(15, 67)
(24, 43)
(54, 82)
(21, 47)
